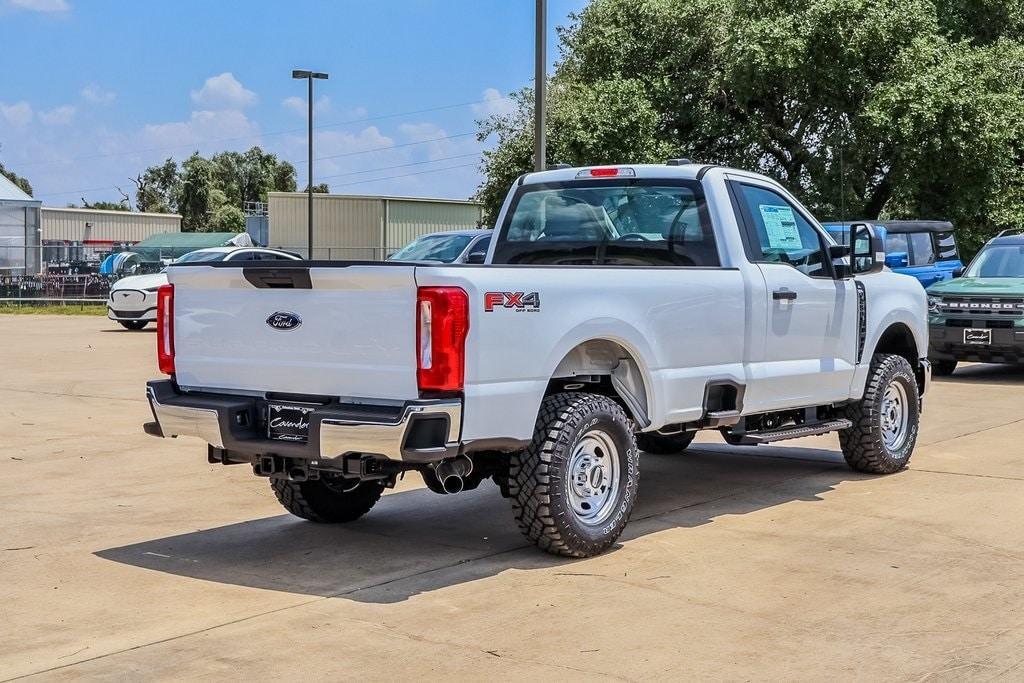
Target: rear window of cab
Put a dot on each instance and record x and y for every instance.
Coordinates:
(619, 222)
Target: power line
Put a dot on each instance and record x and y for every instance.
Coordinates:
(387, 147)
(386, 168)
(405, 175)
(195, 143)
(349, 154)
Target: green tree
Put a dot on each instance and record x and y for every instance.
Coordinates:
(198, 197)
(322, 188)
(863, 108)
(227, 218)
(23, 184)
(158, 187)
(249, 176)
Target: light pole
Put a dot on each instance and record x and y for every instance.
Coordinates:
(540, 87)
(309, 76)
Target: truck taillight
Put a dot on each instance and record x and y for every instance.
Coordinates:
(165, 329)
(442, 322)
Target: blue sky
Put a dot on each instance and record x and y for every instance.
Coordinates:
(93, 91)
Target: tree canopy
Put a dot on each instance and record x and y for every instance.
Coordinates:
(862, 108)
(210, 194)
(23, 184)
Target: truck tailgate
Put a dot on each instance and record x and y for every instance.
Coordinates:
(356, 338)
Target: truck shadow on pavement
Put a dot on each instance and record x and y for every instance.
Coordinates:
(986, 373)
(416, 541)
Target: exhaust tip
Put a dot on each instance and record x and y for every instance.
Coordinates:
(452, 484)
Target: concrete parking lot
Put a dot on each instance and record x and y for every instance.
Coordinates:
(126, 556)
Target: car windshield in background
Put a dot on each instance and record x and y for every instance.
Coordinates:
(998, 261)
(444, 248)
(198, 256)
(633, 224)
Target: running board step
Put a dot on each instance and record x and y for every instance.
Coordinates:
(796, 432)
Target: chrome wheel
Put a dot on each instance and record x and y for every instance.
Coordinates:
(895, 415)
(593, 477)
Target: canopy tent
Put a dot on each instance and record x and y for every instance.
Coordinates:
(172, 245)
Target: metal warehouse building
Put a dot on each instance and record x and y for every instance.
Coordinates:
(356, 227)
(19, 230)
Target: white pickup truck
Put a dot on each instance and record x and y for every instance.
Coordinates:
(620, 309)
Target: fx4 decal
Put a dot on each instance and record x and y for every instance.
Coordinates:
(519, 301)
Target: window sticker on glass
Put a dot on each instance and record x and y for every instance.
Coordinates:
(780, 224)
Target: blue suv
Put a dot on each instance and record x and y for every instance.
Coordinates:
(923, 249)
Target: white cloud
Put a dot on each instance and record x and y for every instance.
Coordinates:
(298, 105)
(45, 6)
(17, 114)
(97, 95)
(212, 126)
(223, 92)
(494, 104)
(58, 116)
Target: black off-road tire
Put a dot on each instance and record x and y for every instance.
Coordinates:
(664, 444)
(539, 475)
(320, 501)
(863, 444)
(943, 368)
(133, 324)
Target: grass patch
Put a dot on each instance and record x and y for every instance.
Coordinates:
(53, 309)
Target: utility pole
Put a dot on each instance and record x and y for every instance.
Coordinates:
(309, 76)
(540, 81)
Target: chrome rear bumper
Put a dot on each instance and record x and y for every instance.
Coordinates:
(415, 431)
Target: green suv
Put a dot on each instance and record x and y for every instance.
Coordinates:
(980, 316)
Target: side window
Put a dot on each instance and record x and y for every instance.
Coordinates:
(480, 248)
(924, 250)
(947, 246)
(782, 234)
(270, 256)
(240, 256)
(897, 243)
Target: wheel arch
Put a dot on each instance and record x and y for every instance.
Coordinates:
(898, 339)
(620, 364)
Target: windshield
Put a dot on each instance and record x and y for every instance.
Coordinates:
(998, 261)
(637, 223)
(196, 256)
(444, 248)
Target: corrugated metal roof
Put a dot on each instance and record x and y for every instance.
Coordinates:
(377, 196)
(12, 193)
(140, 214)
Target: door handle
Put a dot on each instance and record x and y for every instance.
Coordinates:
(783, 295)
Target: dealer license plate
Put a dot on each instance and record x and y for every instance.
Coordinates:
(288, 421)
(977, 337)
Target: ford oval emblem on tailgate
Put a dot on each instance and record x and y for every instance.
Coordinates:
(284, 321)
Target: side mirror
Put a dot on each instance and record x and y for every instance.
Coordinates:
(476, 258)
(897, 259)
(959, 272)
(867, 252)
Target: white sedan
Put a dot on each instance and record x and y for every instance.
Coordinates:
(132, 301)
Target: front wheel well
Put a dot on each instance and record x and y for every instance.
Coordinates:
(898, 340)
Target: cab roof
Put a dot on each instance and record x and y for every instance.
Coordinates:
(682, 169)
